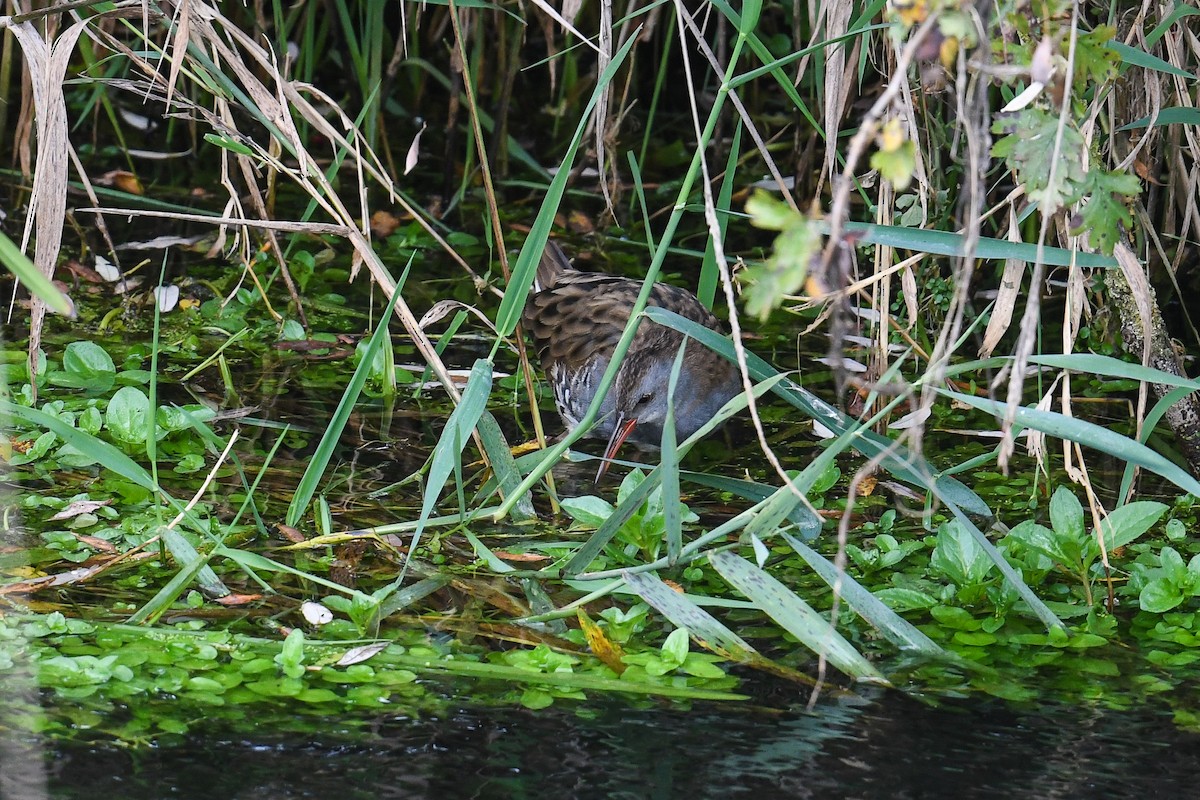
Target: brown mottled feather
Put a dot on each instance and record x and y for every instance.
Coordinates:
(576, 316)
(576, 319)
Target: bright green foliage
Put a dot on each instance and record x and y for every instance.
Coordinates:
(1171, 583)
(784, 271)
(958, 557)
(85, 365)
(897, 166)
(1105, 212)
(1028, 148)
(1095, 61)
(1072, 549)
(643, 532)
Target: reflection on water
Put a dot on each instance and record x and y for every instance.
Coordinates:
(889, 749)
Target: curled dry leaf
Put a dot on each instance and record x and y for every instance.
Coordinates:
(81, 507)
(291, 534)
(384, 224)
(357, 655)
(96, 543)
(233, 599)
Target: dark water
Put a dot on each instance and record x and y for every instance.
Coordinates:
(890, 748)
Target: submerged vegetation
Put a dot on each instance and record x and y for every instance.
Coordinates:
(247, 472)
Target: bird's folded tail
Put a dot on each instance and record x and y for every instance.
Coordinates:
(554, 263)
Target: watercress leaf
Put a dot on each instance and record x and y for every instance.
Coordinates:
(675, 648)
(1060, 549)
(1127, 523)
(959, 557)
(86, 366)
(588, 510)
(899, 599)
(1173, 568)
(630, 482)
(701, 665)
(1160, 595)
(1066, 514)
(126, 415)
(291, 656)
(90, 420)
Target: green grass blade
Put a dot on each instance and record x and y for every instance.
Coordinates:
(710, 273)
(703, 627)
(808, 523)
(955, 244)
(307, 486)
(1093, 364)
(1131, 56)
(894, 628)
(32, 278)
(1155, 414)
(103, 453)
(447, 454)
(669, 463)
(253, 561)
(1088, 434)
(897, 460)
(794, 615)
(504, 466)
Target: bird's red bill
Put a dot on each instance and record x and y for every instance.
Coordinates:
(620, 433)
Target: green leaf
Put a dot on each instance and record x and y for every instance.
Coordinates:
(1028, 149)
(588, 510)
(959, 557)
(291, 657)
(1066, 514)
(1105, 213)
(1062, 550)
(126, 415)
(1095, 59)
(1175, 115)
(897, 166)
(1131, 56)
(675, 648)
(1126, 523)
(96, 450)
(686, 615)
(794, 615)
(1160, 595)
(783, 273)
(86, 365)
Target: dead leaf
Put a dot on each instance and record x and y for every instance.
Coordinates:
(96, 543)
(384, 224)
(121, 180)
(527, 557)
(291, 534)
(357, 655)
(580, 223)
(81, 506)
(602, 647)
(83, 273)
(234, 599)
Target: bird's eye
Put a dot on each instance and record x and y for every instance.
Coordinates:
(646, 398)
